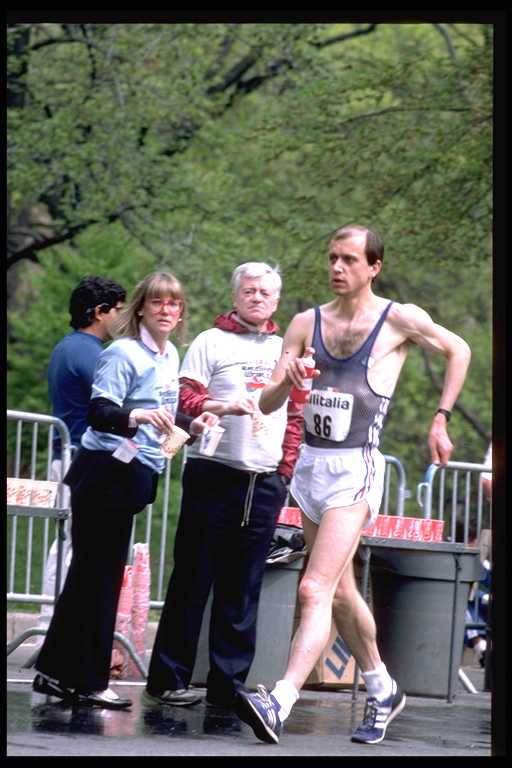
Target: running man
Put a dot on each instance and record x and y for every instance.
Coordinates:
(360, 342)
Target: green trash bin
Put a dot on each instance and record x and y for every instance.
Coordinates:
(419, 596)
(274, 628)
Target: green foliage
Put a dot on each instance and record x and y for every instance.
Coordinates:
(41, 318)
(201, 146)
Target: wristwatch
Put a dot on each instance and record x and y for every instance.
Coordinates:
(446, 414)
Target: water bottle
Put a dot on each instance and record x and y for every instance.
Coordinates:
(302, 395)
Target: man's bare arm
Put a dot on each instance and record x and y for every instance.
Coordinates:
(289, 370)
(418, 327)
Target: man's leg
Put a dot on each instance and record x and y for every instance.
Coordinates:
(332, 546)
(355, 622)
(356, 625)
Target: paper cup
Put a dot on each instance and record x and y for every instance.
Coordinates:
(44, 493)
(24, 492)
(290, 516)
(173, 442)
(210, 439)
(427, 529)
(369, 530)
(383, 526)
(12, 489)
(413, 529)
(13, 484)
(438, 526)
(398, 527)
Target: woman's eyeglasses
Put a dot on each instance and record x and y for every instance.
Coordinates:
(158, 304)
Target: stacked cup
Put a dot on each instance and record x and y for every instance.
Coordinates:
(409, 528)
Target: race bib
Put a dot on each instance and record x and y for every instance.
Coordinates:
(329, 414)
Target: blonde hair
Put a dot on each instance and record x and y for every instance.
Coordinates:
(157, 285)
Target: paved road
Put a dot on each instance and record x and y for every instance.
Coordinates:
(320, 725)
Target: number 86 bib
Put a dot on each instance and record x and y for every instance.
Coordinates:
(329, 414)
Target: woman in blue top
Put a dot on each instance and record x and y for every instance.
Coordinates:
(113, 477)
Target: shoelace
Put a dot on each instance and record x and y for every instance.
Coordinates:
(264, 697)
(371, 711)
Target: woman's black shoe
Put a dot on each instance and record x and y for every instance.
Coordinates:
(49, 687)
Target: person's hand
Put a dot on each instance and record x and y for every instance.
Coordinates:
(161, 418)
(296, 371)
(243, 407)
(202, 422)
(440, 445)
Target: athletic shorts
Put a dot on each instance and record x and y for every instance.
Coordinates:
(325, 478)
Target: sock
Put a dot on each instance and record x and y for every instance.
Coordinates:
(286, 695)
(480, 646)
(378, 682)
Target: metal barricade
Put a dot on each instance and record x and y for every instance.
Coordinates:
(465, 493)
(443, 491)
(401, 487)
(463, 480)
(29, 462)
(31, 457)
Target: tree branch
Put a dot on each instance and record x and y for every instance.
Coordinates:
(442, 31)
(225, 47)
(234, 75)
(457, 31)
(41, 243)
(347, 36)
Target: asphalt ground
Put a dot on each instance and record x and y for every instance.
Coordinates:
(319, 726)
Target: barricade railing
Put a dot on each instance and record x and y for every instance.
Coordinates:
(401, 486)
(459, 496)
(463, 478)
(30, 464)
(30, 442)
(155, 520)
(441, 494)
